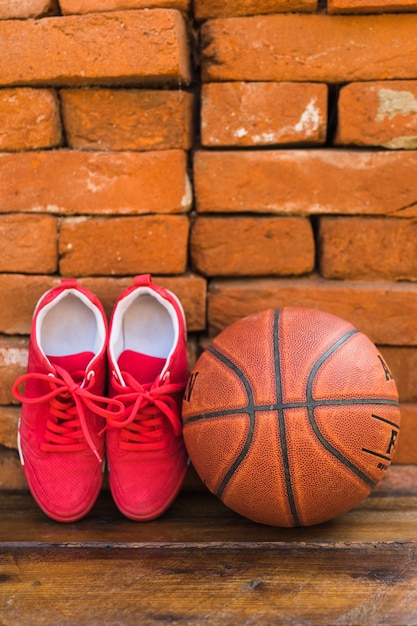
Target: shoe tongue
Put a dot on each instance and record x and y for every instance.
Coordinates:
(143, 367)
(73, 362)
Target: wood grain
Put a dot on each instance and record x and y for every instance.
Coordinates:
(203, 564)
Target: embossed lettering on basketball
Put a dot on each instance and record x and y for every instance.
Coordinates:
(291, 416)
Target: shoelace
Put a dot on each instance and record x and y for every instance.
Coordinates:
(146, 409)
(67, 428)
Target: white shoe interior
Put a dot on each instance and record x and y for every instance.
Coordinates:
(70, 325)
(144, 323)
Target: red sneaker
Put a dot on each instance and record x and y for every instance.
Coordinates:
(63, 410)
(147, 357)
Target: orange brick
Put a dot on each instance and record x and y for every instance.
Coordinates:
(368, 248)
(20, 293)
(370, 6)
(29, 119)
(13, 362)
(93, 6)
(323, 48)
(192, 350)
(127, 119)
(11, 473)
(246, 246)
(28, 243)
(10, 9)
(8, 426)
(384, 311)
(406, 452)
(95, 182)
(124, 245)
(306, 182)
(205, 9)
(382, 113)
(124, 46)
(256, 114)
(402, 361)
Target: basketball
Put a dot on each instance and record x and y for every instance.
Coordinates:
(291, 417)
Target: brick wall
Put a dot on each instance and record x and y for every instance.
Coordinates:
(248, 154)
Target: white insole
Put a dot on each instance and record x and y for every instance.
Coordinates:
(68, 327)
(147, 328)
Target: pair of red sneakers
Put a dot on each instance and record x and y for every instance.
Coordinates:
(94, 390)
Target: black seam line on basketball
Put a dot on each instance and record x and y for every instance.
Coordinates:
(249, 410)
(382, 419)
(295, 405)
(380, 456)
(366, 401)
(310, 409)
(281, 423)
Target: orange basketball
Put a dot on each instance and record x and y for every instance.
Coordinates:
(291, 416)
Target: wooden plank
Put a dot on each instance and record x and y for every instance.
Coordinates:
(389, 514)
(253, 584)
(201, 563)
(199, 518)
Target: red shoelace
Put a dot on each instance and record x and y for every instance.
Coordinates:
(67, 429)
(147, 407)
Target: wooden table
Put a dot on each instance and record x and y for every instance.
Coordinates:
(202, 564)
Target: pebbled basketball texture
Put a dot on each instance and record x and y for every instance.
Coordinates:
(291, 416)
